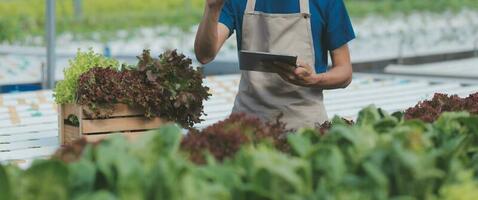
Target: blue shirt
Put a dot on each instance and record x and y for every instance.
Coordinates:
(331, 26)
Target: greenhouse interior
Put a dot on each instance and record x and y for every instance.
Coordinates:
(239, 99)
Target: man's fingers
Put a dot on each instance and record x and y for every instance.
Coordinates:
(300, 63)
(305, 66)
(302, 72)
(295, 75)
(291, 79)
(292, 74)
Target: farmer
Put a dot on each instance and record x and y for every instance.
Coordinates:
(307, 28)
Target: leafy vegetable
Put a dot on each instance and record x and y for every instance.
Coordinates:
(167, 87)
(100, 195)
(5, 188)
(269, 174)
(44, 180)
(465, 188)
(66, 90)
(225, 138)
(430, 110)
(81, 179)
(326, 126)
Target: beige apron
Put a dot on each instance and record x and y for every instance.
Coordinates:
(267, 95)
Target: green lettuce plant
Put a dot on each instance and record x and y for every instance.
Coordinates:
(66, 90)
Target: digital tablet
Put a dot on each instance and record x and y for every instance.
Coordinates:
(263, 62)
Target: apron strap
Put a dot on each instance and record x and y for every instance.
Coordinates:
(304, 6)
(251, 6)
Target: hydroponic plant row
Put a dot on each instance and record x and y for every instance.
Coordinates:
(381, 156)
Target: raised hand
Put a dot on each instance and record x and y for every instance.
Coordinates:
(217, 4)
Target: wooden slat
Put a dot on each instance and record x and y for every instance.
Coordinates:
(370, 89)
(396, 93)
(22, 101)
(32, 128)
(128, 135)
(219, 108)
(25, 121)
(13, 115)
(28, 153)
(27, 144)
(31, 113)
(23, 108)
(29, 136)
(122, 110)
(120, 124)
(398, 98)
(456, 68)
(41, 98)
(68, 109)
(123, 119)
(69, 134)
(215, 100)
(61, 122)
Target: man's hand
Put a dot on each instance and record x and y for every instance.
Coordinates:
(211, 35)
(216, 4)
(339, 76)
(302, 75)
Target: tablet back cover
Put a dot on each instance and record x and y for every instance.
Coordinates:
(263, 62)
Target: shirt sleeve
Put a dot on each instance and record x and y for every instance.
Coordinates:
(227, 17)
(339, 30)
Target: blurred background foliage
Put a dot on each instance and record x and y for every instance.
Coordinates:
(22, 18)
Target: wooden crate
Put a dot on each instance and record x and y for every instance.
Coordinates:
(124, 120)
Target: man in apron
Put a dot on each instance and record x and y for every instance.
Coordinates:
(307, 28)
